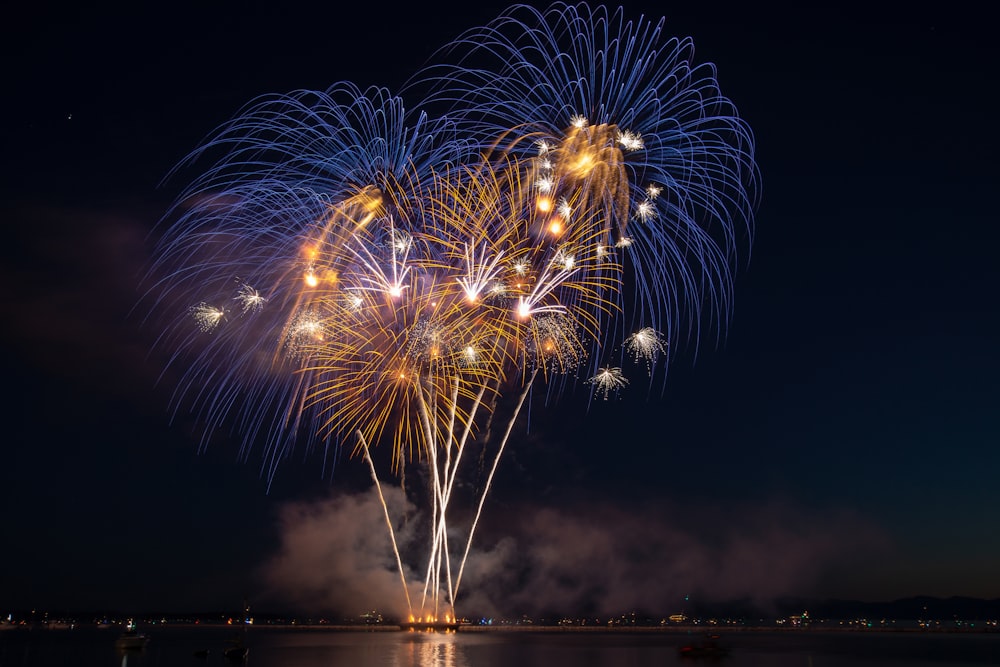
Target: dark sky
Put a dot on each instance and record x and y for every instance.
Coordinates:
(841, 441)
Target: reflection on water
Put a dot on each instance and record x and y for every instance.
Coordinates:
(430, 649)
(301, 647)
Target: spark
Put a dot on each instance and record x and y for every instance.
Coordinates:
(308, 325)
(401, 242)
(305, 330)
(250, 299)
(480, 270)
(499, 290)
(563, 267)
(565, 210)
(630, 141)
(646, 343)
(376, 277)
(208, 317)
(564, 260)
(608, 380)
(645, 211)
(353, 301)
(554, 343)
(429, 341)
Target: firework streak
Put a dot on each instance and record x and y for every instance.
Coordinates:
(567, 200)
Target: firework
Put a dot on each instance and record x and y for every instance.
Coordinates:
(250, 299)
(608, 380)
(208, 317)
(619, 116)
(287, 174)
(399, 274)
(646, 345)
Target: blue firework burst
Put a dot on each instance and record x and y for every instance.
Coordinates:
(531, 77)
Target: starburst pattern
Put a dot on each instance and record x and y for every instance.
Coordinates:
(208, 317)
(646, 344)
(250, 299)
(608, 380)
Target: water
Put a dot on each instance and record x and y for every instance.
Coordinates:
(287, 647)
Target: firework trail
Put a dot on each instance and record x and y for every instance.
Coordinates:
(349, 271)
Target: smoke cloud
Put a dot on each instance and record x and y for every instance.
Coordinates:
(336, 555)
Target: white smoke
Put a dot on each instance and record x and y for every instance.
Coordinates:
(336, 555)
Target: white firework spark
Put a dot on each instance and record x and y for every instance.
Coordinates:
(520, 268)
(250, 299)
(646, 344)
(305, 329)
(353, 302)
(645, 211)
(607, 380)
(630, 141)
(565, 210)
(401, 241)
(554, 342)
(429, 342)
(208, 317)
(564, 260)
(481, 269)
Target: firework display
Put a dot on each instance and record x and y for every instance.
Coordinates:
(565, 204)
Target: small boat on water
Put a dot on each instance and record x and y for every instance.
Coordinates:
(236, 651)
(131, 639)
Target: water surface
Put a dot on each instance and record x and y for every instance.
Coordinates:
(290, 647)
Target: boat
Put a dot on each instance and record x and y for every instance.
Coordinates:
(131, 639)
(236, 652)
(710, 648)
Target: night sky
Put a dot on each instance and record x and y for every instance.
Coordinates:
(841, 439)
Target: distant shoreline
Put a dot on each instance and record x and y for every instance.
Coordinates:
(723, 630)
(551, 629)
(619, 629)
(817, 627)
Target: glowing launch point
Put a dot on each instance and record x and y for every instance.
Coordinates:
(432, 624)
